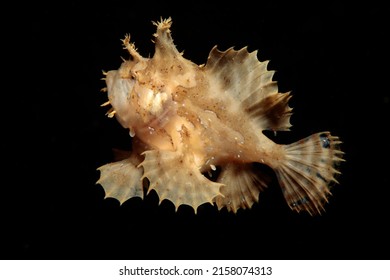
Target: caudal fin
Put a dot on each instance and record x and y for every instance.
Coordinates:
(308, 171)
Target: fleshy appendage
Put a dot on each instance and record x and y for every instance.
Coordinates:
(242, 185)
(174, 176)
(308, 170)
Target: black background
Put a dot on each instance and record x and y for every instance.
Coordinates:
(330, 54)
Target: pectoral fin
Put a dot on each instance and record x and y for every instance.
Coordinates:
(175, 176)
(121, 180)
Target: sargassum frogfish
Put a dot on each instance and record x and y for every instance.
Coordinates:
(188, 121)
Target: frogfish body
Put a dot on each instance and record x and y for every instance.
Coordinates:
(187, 120)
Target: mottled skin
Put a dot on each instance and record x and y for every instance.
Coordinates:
(187, 119)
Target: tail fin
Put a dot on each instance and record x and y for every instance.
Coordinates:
(308, 171)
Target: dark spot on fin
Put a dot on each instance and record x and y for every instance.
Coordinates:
(299, 202)
(325, 141)
(321, 177)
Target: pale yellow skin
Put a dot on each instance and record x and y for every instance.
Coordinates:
(187, 119)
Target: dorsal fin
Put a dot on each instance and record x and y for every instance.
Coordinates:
(241, 75)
